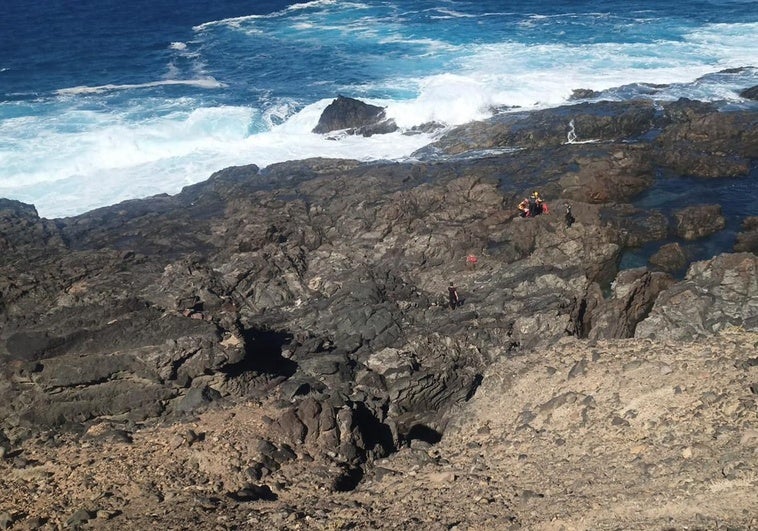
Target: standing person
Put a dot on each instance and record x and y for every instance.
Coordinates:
(536, 204)
(570, 219)
(453, 294)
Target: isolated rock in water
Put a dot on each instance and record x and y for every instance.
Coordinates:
(355, 116)
(747, 240)
(670, 258)
(750, 93)
(697, 221)
(583, 94)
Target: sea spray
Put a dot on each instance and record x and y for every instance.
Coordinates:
(111, 107)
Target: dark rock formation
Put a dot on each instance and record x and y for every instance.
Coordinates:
(750, 93)
(21, 227)
(747, 240)
(634, 293)
(704, 143)
(355, 116)
(598, 122)
(583, 94)
(714, 295)
(321, 284)
(670, 258)
(607, 173)
(696, 221)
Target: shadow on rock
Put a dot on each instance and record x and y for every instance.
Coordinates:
(263, 354)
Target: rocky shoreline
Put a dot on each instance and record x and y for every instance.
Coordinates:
(274, 347)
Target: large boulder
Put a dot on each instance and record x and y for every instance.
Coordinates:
(618, 174)
(750, 93)
(747, 239)
(354, 116)
(670, 258)
(714, 295)
(697, 221)
(633, 294)
(21, 227)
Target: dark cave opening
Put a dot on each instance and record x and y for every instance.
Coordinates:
(348, 480)
(263, 353)
(421, 432)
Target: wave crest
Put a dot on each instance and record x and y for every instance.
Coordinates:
(206, 83)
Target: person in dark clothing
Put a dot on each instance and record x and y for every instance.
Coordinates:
(570, 219)
(536, 204)
(453, 295)
(533, 209)
(532, 206)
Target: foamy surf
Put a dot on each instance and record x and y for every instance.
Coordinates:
(248, 88)
(204, 83)
(106, 163)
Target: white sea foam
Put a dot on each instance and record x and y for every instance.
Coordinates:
(450, 13)
(72, 161)
(447, 98)
(206, 83)
(236, 22)
(111, 159)
(522, 75)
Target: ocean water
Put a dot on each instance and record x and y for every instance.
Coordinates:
(105, 100)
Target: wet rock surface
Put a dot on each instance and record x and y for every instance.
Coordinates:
(355, 117)
(697, 221)
(280, 338)
(747, 240)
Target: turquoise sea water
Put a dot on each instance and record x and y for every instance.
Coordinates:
(102, 100)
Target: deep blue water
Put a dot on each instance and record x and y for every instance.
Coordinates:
(104, 100)
(738, 198)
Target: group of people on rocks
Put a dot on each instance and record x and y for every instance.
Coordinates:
(533, 206)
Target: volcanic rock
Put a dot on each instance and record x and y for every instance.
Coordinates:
(634, 293)
(596, 122)
(714, 295)
(750, 93)
(708, 144)
(670, 258)
(696, 221)
(355, 116)
(296, 317)
(747, 239)
(583, 94)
